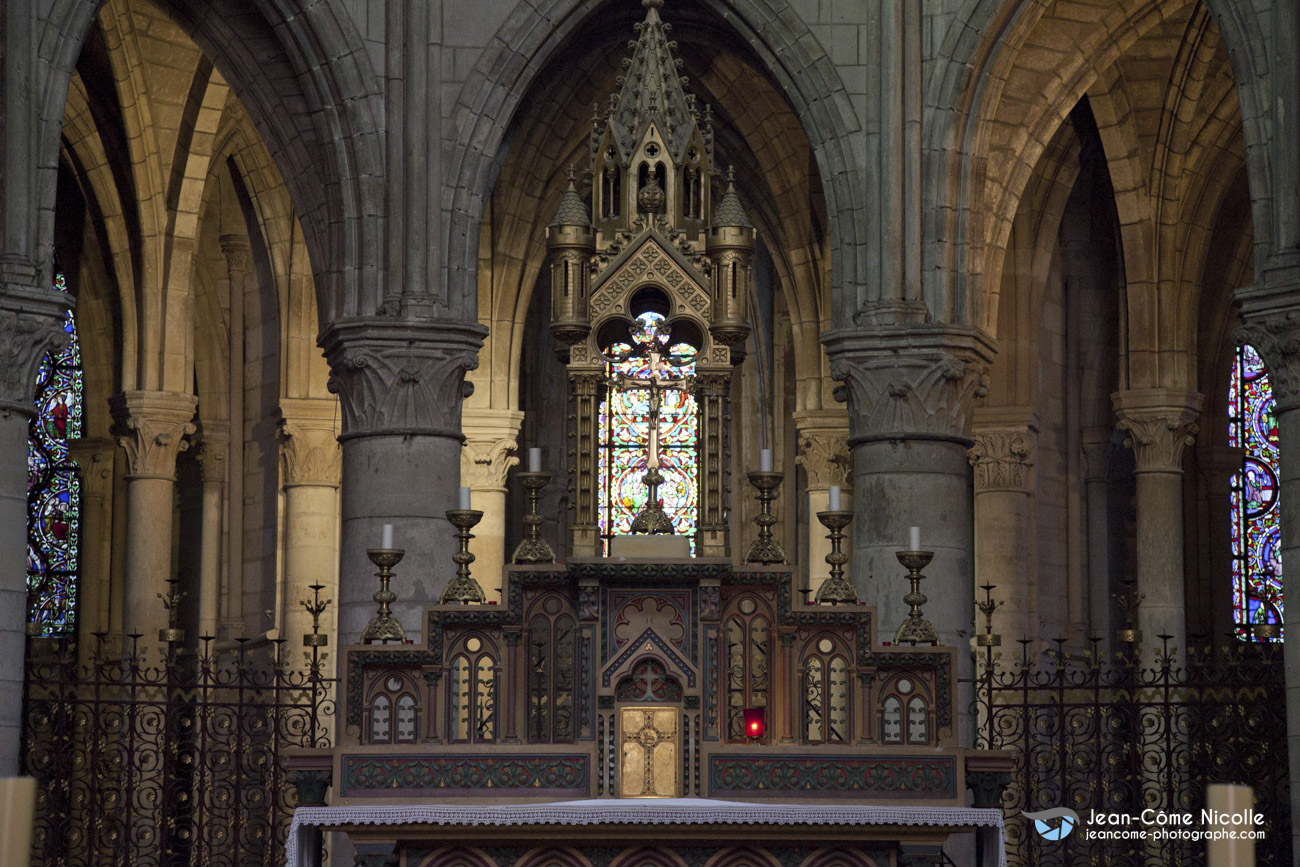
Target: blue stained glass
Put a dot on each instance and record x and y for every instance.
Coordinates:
(1256, 534)
(624, 426)
(54, 488)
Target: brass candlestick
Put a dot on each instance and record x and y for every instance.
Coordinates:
(835, 588)
(316, 607)
(1129, 601)
(765, 549)
(172, 634)
(915, 629)
(533, 549)
(652, 518)
(987, 607)
(463, 588)
(1262, 628)
(383, 626)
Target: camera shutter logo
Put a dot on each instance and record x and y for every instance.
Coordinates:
(1043, 822)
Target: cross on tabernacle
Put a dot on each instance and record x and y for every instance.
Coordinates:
(651, 518)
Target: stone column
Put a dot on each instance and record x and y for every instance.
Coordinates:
(151, 427)
(31, 324)
(490, 444)
(910, 391)
(235, 249)
(1003, 458)
(212, 456)
(312, 463)
(1160, 423)
(400, 383)
(824, 455)
(1216, 466)
(94, 458)
(1096, 459)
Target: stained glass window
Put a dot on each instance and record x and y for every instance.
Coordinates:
(1256, 524)
(624, 416)
(53, 489)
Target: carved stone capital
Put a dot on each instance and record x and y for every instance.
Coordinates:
(31, 325)
(1003, 459)
(1160, 423)
(94, 457)
(151, 427)
(1096, 452)
(310, 455)
(401, 377)
(491, 438)
(825, 457)
(235, 249)
(1276, 337)
(916, 382)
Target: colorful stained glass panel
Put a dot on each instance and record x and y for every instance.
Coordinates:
(54, 489)
(1256, 535)
(624, 425)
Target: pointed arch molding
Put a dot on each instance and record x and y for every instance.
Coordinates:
(513, 58)
(300, 69)
(975, 72)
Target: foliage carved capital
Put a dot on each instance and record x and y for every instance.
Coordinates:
(1003, 459)
(31, 325)
(401, 377)
(310, 454)
(1160, 423)
(151, 427)
(486, 464)
(825, 457)
(1276, 337)
(917, 382)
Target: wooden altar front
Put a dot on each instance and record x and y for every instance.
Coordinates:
(611, 681)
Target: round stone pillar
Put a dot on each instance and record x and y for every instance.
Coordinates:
(31, 324)
(910, 393)
(400, 383)
(1003, 458)
(212, 471)
(491, 439)
(151, 427)
(311, 462)
(1160, 423)
(1096, 459)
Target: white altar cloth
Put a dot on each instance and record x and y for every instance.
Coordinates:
(666, 811)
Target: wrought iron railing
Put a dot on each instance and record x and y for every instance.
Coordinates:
(1111, 736)
(161, 756)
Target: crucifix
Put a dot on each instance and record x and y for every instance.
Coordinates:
(651, 518)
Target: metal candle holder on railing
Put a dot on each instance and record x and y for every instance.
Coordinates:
(172, 634)
(533, 549)
(463, 588)
(316, 607)
(765, 549)
(383, 627)
(915, 629)
(1129, 601)
(836, 588)
(989, 638)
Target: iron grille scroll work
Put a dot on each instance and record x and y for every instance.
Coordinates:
(1094, 734)
(171, 761)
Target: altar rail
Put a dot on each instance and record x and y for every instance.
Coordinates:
(169, 756)
(1107, 735)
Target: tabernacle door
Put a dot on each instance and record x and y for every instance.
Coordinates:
(650, 749)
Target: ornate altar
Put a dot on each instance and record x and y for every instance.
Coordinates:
(619, 680)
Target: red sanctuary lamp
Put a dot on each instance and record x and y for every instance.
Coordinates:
(754, 722)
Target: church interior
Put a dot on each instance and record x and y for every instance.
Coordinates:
(653, 404)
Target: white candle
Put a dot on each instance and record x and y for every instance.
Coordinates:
(914, 538)
(765, 460)
(388, 537)
(835, 498)
(464, 498)
(534, 460)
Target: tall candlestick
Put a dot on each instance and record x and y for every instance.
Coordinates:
(387, 537)
(914, 539)
(835, 498)
(464, 498)
(765, 460)
(534, 460)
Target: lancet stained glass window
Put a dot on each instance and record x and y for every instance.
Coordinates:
(1254, 497)
(53, 488)
(624, 416)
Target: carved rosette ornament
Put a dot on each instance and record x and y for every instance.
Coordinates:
(31, 325)
(910, 382)
(401, 377)
(1160, 423)
(1002, 459)
(151, 427)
